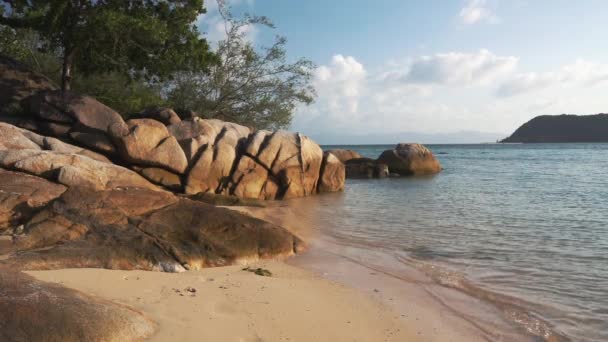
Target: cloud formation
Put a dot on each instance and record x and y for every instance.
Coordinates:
(459, 68)
(581, 73)
(341, 82)
(476, 11)
(445, 92)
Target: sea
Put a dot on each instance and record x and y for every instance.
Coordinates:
(523, 227)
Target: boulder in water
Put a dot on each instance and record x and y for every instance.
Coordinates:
(410, 159)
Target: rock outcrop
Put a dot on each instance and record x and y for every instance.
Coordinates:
(82, 187)
(142, 229)
(184, 155)
(23, 195)
(410, 159)
(32, 310)
(562, 129)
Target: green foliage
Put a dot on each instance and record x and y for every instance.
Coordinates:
(23, 45)
(120, 93)
(140, 38)
(253, 87)
(112, 88)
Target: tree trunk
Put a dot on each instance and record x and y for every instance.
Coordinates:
(66, 74)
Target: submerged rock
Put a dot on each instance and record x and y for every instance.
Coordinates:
(410, 159)
(366, 168)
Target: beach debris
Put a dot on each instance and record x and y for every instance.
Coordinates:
(190, 289)
(259, 271)
(376, 290)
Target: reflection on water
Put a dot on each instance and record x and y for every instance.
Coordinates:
(526, 221)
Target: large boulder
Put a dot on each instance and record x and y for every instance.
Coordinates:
(23, 195)
(292, 160)
(211, 171)
(74, 109)
(24, 151)
(15, 138)
(32, 310)
(345, 155)
(410, 159)
(141, 229)
(333, 174)
(148, 142)
(366, 168)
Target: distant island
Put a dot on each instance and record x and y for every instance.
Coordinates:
(562, 128)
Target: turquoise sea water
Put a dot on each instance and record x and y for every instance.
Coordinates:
(526, 221)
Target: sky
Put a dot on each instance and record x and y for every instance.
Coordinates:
(439, 68)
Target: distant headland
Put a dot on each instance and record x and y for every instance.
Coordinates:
(562, 128)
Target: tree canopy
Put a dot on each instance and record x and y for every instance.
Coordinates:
(254, 87)
(152, 39)
(133, 54)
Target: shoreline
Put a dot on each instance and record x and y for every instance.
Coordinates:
(317, 295)
(441, 295)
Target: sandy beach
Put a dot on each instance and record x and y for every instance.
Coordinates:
(235, 305)
(295, 303)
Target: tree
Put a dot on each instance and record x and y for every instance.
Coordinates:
(151, 39)
(256, 88)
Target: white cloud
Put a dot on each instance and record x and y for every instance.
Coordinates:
(476, 11)
(341, 84)
(581, 73)
(457, 68)
(443, 93)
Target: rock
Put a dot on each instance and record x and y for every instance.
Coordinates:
(192, 135)
(18, 82)
(148, 142)
(12, 137)
(142, 229)
(28, 152)
(345, 155)
(211, 171)
(228, 200)
(72, 169)
(22, 195)
(333, 174)
(365, 168)
(410, 159)
(96, 141)
(252, 180)
(162, 177)
(68, 107)
(292, 160)
(162, 114)
(32, 310)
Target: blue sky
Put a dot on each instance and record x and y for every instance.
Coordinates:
(440, 67)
